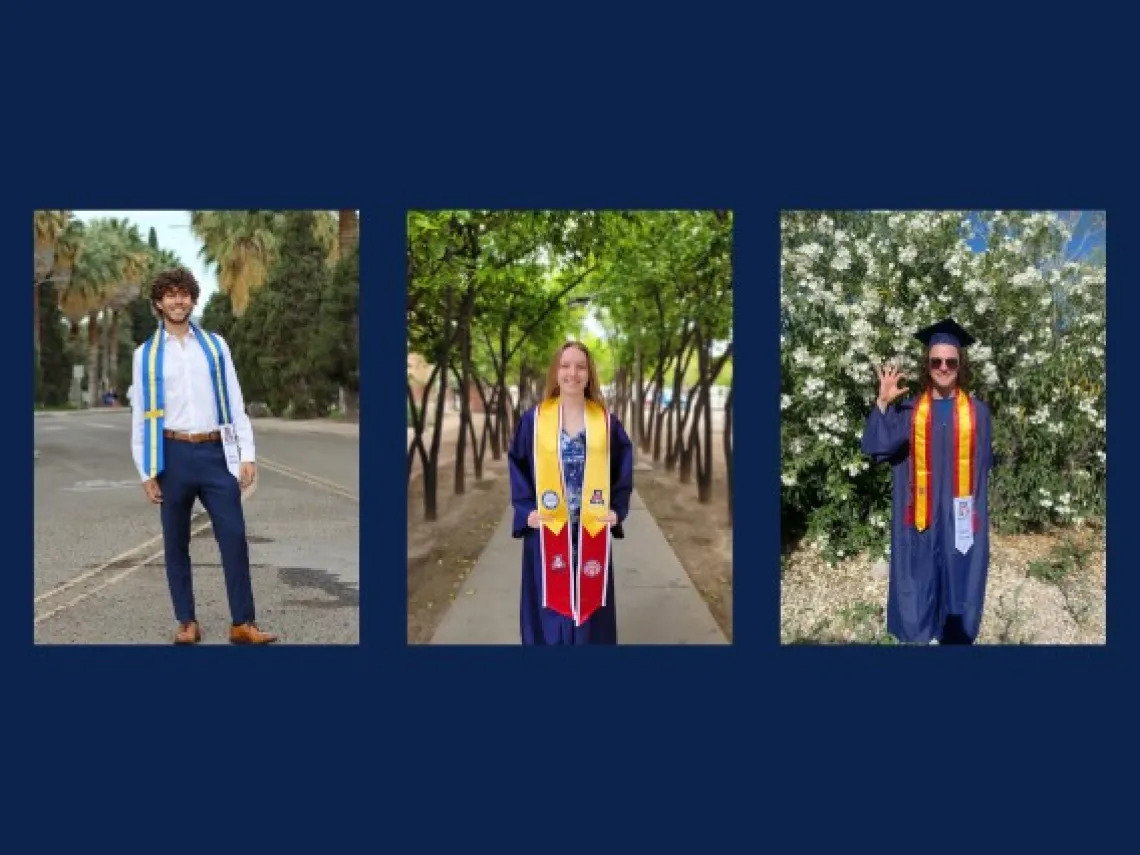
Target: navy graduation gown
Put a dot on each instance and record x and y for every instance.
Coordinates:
(934, 591)
(540, 625)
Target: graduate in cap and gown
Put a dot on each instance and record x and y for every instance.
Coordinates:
(939, 447)
(571, 466)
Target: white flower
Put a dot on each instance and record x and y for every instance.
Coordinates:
(908, 255)
(785, 401)
(789, 480)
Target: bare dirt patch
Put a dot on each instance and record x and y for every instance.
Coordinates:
(1026, 601)
(700, 534)
(442, 553)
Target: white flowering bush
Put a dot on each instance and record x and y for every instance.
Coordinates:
(854, 288)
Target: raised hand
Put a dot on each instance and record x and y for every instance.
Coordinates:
(890, 384)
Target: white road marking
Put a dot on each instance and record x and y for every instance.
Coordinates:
(272, 466)
(59, 589)
(305, 477)
(91, 486)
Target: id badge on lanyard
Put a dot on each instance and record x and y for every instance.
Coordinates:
(230, 444)
(963, 523)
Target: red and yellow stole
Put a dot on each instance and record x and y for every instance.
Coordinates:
(577, 594)
(963, 441)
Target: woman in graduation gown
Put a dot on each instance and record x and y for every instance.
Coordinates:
(571, 466)
(939, 447)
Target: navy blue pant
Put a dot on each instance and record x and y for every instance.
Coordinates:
(197, 470)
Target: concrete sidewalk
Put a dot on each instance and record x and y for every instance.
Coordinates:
(656, 601)
(323, 426)
(86, 411)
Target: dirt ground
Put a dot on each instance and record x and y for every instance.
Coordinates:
(846, 604)
(442, 553)
(701, 535)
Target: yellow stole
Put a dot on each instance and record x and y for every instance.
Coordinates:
(963, 444)
(579, 593)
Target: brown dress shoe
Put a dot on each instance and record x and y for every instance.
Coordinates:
(188, 633)
(248, 633)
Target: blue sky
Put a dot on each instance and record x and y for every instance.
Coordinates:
(173, 231)
(1078, 245)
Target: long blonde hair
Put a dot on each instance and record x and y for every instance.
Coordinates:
(593, 388)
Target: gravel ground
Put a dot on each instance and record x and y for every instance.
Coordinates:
(847, 603)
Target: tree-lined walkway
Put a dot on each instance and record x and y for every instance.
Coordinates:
(656, 600)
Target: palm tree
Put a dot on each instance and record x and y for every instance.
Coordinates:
(94, 274)
(48, 227)
(348, 236)
(133, 259)
(242, 245)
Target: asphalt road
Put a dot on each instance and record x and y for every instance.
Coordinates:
(99, 572)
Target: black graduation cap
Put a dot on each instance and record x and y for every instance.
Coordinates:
(945, 332)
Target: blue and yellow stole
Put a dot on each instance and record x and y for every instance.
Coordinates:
(154, 399)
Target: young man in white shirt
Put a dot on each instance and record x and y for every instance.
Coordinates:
(190, 437)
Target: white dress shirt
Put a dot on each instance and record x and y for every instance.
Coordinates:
(188, 389)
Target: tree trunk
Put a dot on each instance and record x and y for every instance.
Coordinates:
(678, 417)
(686, 457)
(693, 429)
(419, 421)
(347, 232)
(430, 504)
(466, 311)
(36, 317)
(501, 438)
(661, 413)
(93, 359)
(728, 443)
(638, 420)
(704, 416)
(113, 350)
(351, 398)
(479, 446)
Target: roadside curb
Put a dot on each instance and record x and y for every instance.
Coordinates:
(89, 411)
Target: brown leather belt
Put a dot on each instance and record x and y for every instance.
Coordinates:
(212, 436)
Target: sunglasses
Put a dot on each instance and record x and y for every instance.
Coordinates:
(951, 363)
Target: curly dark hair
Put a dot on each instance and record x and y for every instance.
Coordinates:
(964, 377)
(174, 278)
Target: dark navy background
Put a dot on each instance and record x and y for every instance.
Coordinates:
(745, 748)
